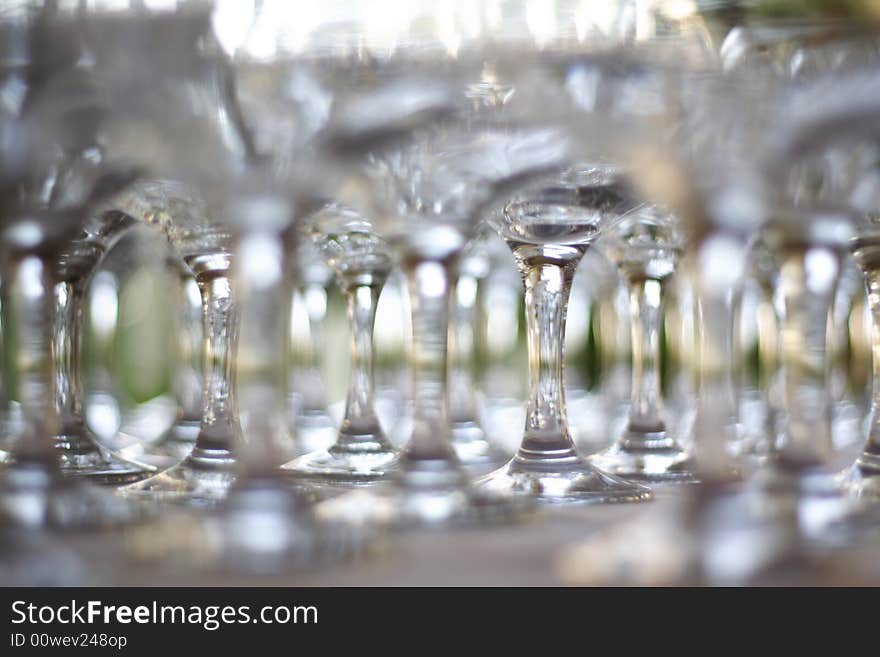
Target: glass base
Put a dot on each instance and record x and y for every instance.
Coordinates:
(363, 462)
(32, 495)
(862, 480)
(169, 449)
(203, 478)
(474, 451)
(265, 527)
(809, 494)
(564, 479)
(423, 494)
(81, 456)
(314, 431)
(650, 457)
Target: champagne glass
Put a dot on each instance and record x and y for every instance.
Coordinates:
(646, 246)
(548, 232)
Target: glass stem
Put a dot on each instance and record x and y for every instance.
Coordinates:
(768, 361)
(430, 284)
(869, 459)
(69, 317)
(806, 299)
(314, 296)
(219, 427)
(28, 308)
(261, 279)
(187, 380)
(462, 350)
(360, 424)
(547, 274)
(646, 310)
(714, 420)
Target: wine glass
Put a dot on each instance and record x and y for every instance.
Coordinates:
(646, 246)
(207, 471)
(548, 231)
(178, 440)
(312, 425)
(81, 453)
(362, 262)
(425, 198)
(862, 480)
(54, 175)
(469, 439)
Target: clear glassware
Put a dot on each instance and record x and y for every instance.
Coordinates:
(178, 441)
(312, 424)
(426, 197)
(362, 262)
(205, 474)
(810, 247)
(548, 232)
(862, 480)
(81, 453)
(469, 439)
(645, 246)
(53, 176)
(129, 414)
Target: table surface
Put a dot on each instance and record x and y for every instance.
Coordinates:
(581, 545)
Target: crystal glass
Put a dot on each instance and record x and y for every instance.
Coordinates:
(312, 424)
(469, 439)
(178, 441)
(548, 232)
(645, 246)
(81, 454)
(205, 474)
(862, 480)
(426, 197)
(54, 175)
(362, 262)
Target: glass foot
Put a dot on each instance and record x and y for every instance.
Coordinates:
(82, 456)
(351, 465)
(474, 451)
(203, 478)
(650, 457)
(31, 495)
(265, 527)
(423, 494)
(810, 494)
(314, 431)
(862, 480)
(170, 448)
(567, 480)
